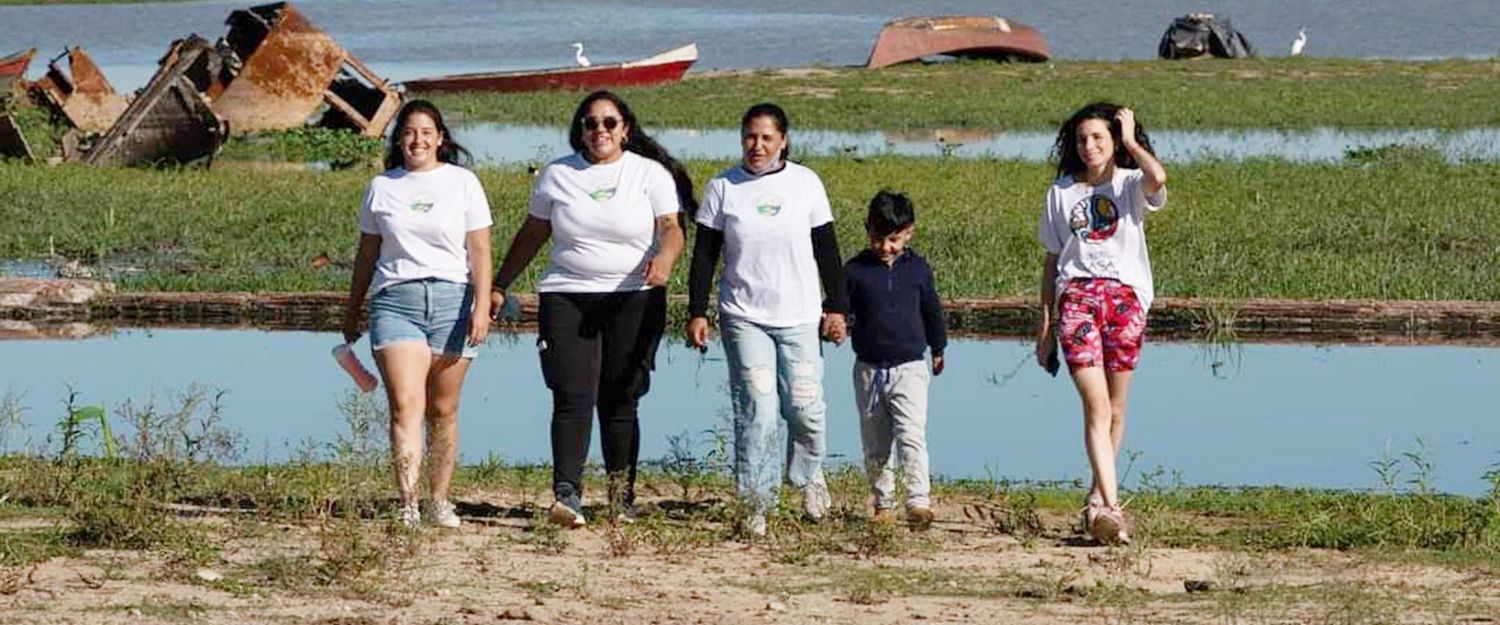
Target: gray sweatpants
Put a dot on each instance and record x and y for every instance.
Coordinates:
(893, 417)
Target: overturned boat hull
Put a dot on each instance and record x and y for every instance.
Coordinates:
(170, 121)
(912, 38)
(81, 94)
(666, 67)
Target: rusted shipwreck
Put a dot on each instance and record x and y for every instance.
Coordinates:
(273, 70)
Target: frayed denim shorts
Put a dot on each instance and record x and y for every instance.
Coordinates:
(430, 310)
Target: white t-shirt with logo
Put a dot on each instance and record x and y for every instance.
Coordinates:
(603, 221)
(770, 276)
(1100, 232)
(422, 218)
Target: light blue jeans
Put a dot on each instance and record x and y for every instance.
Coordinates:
(775, 373)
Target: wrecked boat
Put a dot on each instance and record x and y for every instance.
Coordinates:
(666, 67)
(13, 68)
(912, 38)
(170, 121)
(80, 94)
(281, 69)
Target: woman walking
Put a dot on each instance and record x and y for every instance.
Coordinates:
(424, 242)
(771, 220)
(1097, 283)
(611, 209)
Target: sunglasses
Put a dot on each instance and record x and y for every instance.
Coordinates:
(593, 123)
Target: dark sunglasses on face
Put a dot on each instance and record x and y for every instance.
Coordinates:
(592, 123)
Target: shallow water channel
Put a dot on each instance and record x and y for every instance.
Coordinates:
(494, 143)
(1257, 414)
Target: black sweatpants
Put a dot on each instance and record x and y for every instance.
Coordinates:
(598, 349)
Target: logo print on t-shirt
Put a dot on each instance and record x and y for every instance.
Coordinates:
(768, 206)
(1094, 218)
(602, 194)
(421, 204)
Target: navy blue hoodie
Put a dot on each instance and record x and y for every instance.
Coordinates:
(894, 311)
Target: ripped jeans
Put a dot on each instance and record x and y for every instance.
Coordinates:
(775, 373)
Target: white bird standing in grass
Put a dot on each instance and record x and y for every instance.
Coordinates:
(1300, 42)
(583, 61)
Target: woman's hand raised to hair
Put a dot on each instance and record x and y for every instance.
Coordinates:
(1126, 118)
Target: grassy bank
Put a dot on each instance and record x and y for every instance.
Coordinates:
(1220, 94)
(1397, 225)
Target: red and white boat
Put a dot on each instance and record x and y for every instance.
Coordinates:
(986, 36)
(668, 66)
(13, 67)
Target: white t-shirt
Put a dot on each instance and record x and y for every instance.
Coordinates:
(770, 276)
(603, 221)
(1100, 232)
(422, 219)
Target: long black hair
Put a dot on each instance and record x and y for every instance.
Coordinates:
(636, 140)
(778, 117)
(1065, 151)
(448, 152)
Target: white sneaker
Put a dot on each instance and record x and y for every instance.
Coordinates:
(411, 515)
(816, 501)
(757, 525)
(444, 515)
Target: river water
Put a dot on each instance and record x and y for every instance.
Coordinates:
(401, 39)
(1296, 415)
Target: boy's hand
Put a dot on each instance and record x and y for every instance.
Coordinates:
(834, 328)
(937, 365)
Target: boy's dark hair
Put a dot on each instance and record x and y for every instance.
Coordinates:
(889, 212)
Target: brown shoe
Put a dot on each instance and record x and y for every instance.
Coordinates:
(884, 516)
(919, 518)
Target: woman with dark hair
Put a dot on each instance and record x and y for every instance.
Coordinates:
(1097, 284)
(611, 209)
(772, 221)
(424, 242)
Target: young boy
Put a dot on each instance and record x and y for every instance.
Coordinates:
(895, 315)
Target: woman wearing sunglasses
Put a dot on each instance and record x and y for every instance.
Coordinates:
(611, 209)
(771, 219)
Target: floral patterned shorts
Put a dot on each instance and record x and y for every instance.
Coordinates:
(1100, 323)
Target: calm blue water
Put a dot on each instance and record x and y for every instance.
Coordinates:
(402, 39)
(506, 143)
(1279, 414)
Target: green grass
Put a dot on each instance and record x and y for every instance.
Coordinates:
(1397, 225)
(1221, 94)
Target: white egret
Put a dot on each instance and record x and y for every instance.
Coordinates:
(1300, 42)
(583, 61)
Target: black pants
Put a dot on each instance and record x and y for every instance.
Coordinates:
(598, 349)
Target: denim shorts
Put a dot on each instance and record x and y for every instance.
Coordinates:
(430, 310)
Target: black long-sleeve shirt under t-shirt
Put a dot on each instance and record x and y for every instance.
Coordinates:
(894, 310)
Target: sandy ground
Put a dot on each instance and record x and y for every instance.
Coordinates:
(496, 569)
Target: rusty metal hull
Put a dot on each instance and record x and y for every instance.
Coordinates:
(170, 121)
(13, 68)
(288, 69)
(911, 38)
(81, 94)
(12, 142)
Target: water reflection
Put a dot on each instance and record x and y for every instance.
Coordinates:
(1289, 414)
(510, 143)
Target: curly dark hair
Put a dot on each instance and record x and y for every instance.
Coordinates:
(1065, 151)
